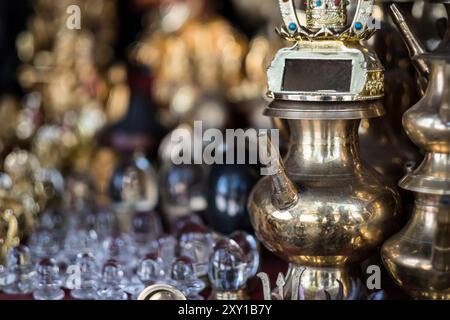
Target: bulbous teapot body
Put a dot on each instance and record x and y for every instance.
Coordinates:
(344, 209)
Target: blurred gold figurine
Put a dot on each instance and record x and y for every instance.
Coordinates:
(64, 72)
(193, 55)
(64, 108)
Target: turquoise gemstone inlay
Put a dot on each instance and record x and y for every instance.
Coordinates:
(292, 26)
(358, 26)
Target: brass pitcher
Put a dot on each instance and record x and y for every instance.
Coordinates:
(418, 257)
(325, 209)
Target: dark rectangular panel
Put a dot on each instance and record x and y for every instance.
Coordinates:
(313, 75)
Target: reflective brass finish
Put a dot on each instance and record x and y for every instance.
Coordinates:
(228, 295)
(367, 74)
(331, 14)
(318, 278)
(9, 233)
(418, 257)
(328, 39)
(327, 20)
(161, 292)
(324, 111)
(344, 209)
(343, 206)
(324, 209)
(414, 45)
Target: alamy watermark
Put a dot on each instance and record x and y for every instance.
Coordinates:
(73, 21)
(212, 146)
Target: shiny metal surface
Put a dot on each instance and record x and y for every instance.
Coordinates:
(327, 38)
(423, 122)
(161, 292)
(324, 110)
(418, 258)
(9, 233)
(343, 209)
(324, 208)
(228, 295)
(343, 206)
(327, 20)
(415, 47)
(315, 279)
(367, 73)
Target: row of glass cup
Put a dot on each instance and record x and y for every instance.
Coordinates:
(121, 266)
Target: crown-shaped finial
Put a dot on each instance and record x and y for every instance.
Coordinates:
(331, 14)
(327, 19)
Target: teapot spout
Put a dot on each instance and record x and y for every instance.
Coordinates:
(415, 47)
(284, 191)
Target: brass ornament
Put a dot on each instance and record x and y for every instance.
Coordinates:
(326, 20)
(418, 257)
(374, 84)
(201, 58)
(161, 292)
(229, 295)
(9, 233)
(326, 14)
(324, 210)
(62, 73)
(24, 190)
(329, 50)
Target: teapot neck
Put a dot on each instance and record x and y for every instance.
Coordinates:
(323, 147)
(438, 78)
(330, 132)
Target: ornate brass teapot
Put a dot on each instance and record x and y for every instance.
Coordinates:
(325, 209)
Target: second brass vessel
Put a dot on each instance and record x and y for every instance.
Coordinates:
(418, 257)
